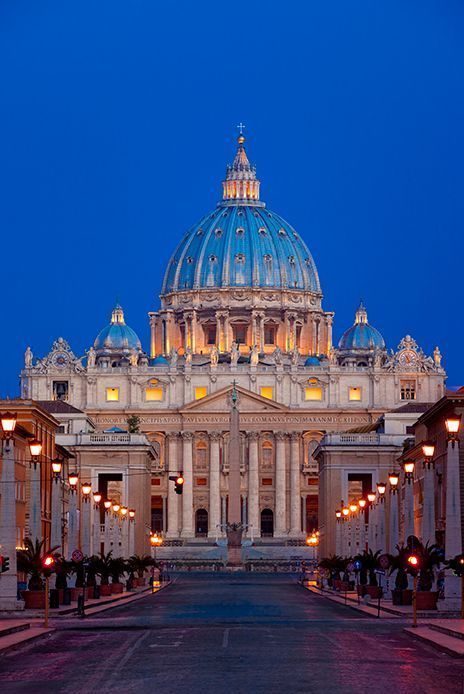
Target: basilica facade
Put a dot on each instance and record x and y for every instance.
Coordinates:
(241, 307)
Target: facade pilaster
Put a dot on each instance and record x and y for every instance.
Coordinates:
(173, 498)
(214, 486)
(281, 528)
(187, 495)
(253, 484)
(295, 496)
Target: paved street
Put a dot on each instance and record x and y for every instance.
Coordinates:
(230, 633)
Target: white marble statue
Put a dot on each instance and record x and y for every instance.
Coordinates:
(254, 356)
(188, 356)
(91, 357)
(277, 356)
(173, 357)
(437, 356)
(28, 358)
(214, 356)
(234, 354)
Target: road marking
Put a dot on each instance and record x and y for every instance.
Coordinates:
(225, 638)
(165, 645)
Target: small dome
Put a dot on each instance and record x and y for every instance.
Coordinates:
(312, 361)
(361, 336)
(117, 336)
(159, 361)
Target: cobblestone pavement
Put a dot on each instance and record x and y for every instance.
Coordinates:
(230, 633)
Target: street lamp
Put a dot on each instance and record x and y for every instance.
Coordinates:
(35, 447)
(453, 423)
(408, 467)
(116, 508)
(73, 479)
(8, 421)
(428, 450)
(338, 515)
(353, 508)
(381, 489)
(107, 504)
(57, 467)
(362, 504)
(394, 479)
(345, 511)
(97, 497)
(371, 497)
(131, 514)
(86, 489)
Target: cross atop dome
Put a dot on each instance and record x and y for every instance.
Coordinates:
(241, 183)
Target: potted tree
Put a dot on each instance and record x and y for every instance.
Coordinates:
(63, 569)
(103, 565)
(30, 561)
(430, 558)
(334, 565)
(118, 567)
(367, 577)
(138, 565)
(401, 595)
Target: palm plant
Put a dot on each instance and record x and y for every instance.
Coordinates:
(30, 560)
(369, 561)
(398, 563)
(138, 564)
(430, 558)
(334, 564)
(103, 564)
(63, 569)
(118, 566)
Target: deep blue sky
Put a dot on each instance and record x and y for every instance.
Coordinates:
(117, 119)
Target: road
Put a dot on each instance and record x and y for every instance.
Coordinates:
(223, 633)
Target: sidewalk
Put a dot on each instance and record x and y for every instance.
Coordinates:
(15, 632)
(445, 634)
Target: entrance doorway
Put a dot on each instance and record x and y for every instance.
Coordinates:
(201, 523)
(267, 523)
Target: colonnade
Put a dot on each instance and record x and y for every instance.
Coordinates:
(282, 496)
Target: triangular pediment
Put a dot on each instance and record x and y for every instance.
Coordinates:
(220, 401)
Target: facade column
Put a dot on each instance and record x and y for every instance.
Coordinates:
(295, 496)
(280, 487)
(35, 520)
(173, 498)
(214, 516)
(223, 510)
(253, 484)
(108, 531)
(96, 529)
(393, 522)
(56, 536)
(187, 473)
(165, 517)
(338, 537)
(131, 522)
(453, 539)
(381, 543)
(73, 529)
(9, 579)
(428, 506)
(86, 511)
(408, 525)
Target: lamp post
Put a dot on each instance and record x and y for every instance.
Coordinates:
(408, 467)
(96, 534)
(108, 525)
(73, 529)
(353, 529)
(371, 530)
(86, 512)
(338, 532)
(381, 543)
(35, 519)
(9, 580)
(428, 504)
(313, 541)
(131, 531)
(155, 541)
(393, 516)
(115, 530)
(345, 539)
(362, 503)
(453, 541)
(56, 535)
(124, 513)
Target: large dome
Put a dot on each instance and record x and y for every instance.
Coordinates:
(117, 336)
(241, 244)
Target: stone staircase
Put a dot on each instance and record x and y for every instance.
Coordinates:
(446, 636)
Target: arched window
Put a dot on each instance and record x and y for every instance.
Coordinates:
(201, 523)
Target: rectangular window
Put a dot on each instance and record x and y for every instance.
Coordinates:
(408, 390)
(298, 335)
(269, 334)
(200, 481)
(313, 393)
(210, 331)
(112, 395)
(240, 333)
(266, 482)
(200, 392)
(267, 392)
(355, 394)
(153, 394)
(156, 481)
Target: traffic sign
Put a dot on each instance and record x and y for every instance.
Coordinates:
(77, 555)
(351, 567)
(384, 561)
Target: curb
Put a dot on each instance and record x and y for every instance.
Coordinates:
(119, 602)
(24, 638)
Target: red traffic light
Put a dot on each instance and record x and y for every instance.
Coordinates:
(48, 562)
(413, 564)
(180, 480)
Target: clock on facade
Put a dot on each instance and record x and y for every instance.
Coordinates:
(60, 360)
(407, 357)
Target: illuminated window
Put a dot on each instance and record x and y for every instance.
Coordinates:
(210, 334)
(355, 394)
(112, 394)
(267, 392)
(313, 393)
(153, 394)
(240, 333)
(200, 392)
(408, 390)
